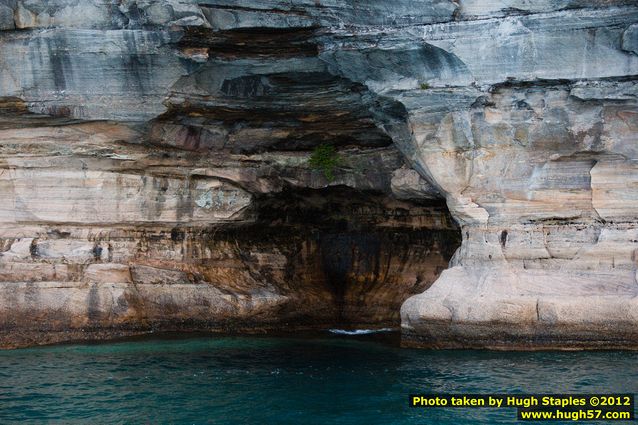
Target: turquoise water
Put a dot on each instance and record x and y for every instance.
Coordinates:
(326, 379)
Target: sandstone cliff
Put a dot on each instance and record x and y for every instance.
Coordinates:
(155, 169)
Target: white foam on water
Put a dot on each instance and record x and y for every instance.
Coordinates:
(359, 331)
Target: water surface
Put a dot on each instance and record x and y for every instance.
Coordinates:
(326, 379)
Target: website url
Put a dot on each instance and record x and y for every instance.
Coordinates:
(573, 415)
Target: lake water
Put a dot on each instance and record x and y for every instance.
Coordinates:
(321, 379)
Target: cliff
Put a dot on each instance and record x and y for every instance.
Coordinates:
(157, 169)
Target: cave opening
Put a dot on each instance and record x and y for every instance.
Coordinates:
(352, 256)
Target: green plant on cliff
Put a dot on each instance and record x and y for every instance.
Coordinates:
(425, 86)
(325, 158)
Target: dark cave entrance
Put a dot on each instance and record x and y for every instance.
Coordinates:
(355, 256)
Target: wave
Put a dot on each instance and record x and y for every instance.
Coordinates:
(359, 331)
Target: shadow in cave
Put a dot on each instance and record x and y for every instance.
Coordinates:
(365, 251)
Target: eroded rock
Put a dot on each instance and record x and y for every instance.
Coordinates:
(196, 205)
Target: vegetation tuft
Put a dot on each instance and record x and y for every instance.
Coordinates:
(325, 158)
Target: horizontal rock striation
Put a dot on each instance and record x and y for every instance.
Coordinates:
(107, 233)
(156, 172)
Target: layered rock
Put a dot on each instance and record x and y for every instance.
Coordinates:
(548, 256)
(156, 171)
(107, 233)
(525, 165)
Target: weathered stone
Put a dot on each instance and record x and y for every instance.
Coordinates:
(108, 273)
(630, 39)
(19, 249)
(132, 72)
(66, 196)
(408, 184)
(6, 18)
(156, 276)
(521, 117)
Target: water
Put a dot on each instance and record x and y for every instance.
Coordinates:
(329, 379)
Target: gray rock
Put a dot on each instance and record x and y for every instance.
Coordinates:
(6, 18)
(630, 39)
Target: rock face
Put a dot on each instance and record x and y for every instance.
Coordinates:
(155, 169)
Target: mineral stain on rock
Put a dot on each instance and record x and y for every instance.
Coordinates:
(205, 200)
